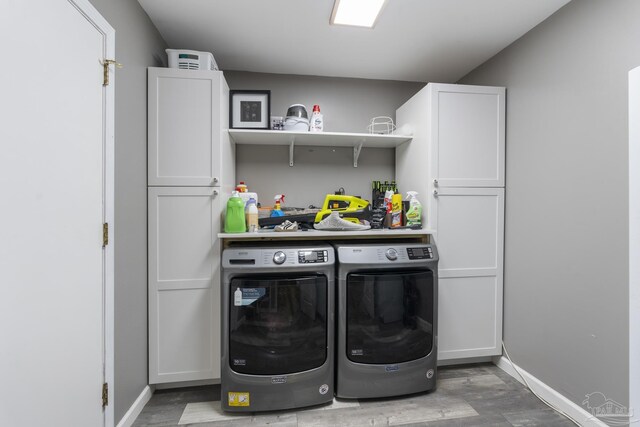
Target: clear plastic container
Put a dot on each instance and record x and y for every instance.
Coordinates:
(251, 215)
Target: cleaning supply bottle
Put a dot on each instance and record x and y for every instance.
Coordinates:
(317, 121)
(234, 221)
(242, 187)
(414, 214)
(387, 204)
(251, 215)
(396, 210)
(279, 198)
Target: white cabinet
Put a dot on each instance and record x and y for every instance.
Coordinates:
(184, 284)
(467, 133)
(456, 162)
(191, 170)
(470, 234)
(188, 139)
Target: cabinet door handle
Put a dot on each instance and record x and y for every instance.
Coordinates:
(435, 182)
(216, 192)
(435, 193)
(215, 179)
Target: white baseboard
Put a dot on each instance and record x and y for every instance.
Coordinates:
(465, 361)
(577, 412)
(137, 407)
(181, 384)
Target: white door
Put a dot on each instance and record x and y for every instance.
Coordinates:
(468, 135)
(56, 175)
(184, 284)
(470, 235)
(634, 238)
(184, 127)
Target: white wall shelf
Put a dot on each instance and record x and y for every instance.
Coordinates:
(323, 139)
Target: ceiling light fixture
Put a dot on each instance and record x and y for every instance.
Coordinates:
(357, 13)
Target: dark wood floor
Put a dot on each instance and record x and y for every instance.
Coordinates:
(472, 395)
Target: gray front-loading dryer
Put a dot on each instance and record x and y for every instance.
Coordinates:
(277, 327)
(386, 321)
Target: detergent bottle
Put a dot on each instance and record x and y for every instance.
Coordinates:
(234, 221)
(242, 187)
(251, 214)
(396, 210)
(317, 122)
(414, 214)
(279, 198)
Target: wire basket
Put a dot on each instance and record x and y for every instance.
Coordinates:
(381, 125)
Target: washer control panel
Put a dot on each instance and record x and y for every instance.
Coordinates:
(244, 258)
(312, 256)
(422, 252)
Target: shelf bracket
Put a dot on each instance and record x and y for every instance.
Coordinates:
(356, 153)
(292, 144)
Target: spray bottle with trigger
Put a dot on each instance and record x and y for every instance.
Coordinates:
(279, 198)
(414, 214)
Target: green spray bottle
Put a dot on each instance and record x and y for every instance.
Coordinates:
(414, 214)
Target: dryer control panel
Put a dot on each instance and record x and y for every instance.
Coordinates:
(423, 252)
(378, 255)
(312, 256)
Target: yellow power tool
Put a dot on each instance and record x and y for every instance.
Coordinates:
(351, 208)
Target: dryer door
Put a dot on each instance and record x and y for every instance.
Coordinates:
(277, 325)
(389, 316)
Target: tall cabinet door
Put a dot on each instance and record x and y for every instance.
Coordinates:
(467, 135)
(185, 127)
(459, 132)
(184, 284)
(470, 235)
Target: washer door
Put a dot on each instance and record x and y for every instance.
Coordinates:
(277, 325)
(389, 316)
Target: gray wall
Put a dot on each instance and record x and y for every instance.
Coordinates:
(566, 249)
(347, 105)
(138, 45)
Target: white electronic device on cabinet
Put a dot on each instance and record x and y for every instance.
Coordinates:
(191, 60)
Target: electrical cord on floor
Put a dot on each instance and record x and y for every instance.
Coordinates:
(542, 399)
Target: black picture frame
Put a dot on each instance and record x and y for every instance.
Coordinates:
(249, 109)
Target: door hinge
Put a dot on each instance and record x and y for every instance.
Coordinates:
(105, 234)
(105, 65)
(105, 394)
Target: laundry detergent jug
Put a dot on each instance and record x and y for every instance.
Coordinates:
(234, 220)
